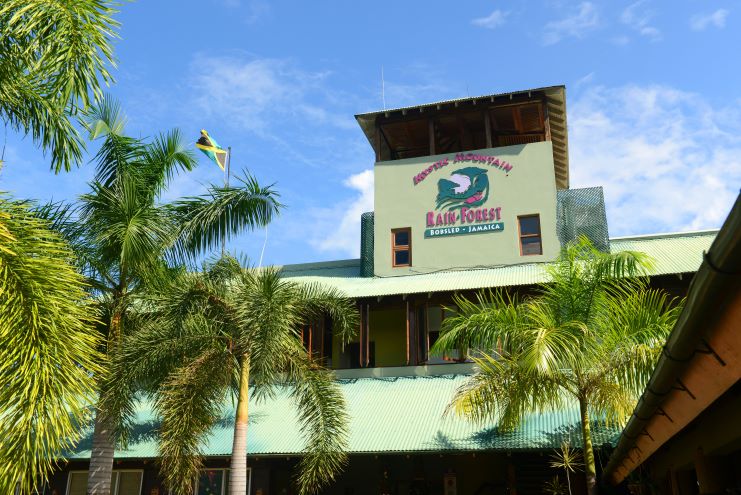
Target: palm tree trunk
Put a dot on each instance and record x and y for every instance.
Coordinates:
(238, 475)
(589, 467)
(104, 442)
(101, 457)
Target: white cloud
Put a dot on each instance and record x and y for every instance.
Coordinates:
(576, 25)
(717, 19)
(584, 80)
(637, 17)
(492, 21)
(339, 226)
(667, 159)
(256, 92)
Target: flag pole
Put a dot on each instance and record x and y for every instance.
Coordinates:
(226, 184)
(227, 171)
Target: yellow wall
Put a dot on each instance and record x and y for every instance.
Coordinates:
(388, 331)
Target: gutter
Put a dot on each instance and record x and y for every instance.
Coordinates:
(718, 276)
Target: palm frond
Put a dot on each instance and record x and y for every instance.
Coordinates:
(119, 153)
(53, 58)
(27, 109)
(316, 301)
(189, 404)
(268, 320)
(224, 211)
(504, 391)
(164, 158)
(105, 119)
(128, 230)
(48, 350)
(611, 401)
(484, 324)
(633, 329)
(323, 419)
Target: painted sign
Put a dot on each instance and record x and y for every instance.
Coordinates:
(490, 160)
(458, 204)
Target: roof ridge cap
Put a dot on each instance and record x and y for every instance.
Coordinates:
(658, 235)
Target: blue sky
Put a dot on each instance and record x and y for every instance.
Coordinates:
(653, 99)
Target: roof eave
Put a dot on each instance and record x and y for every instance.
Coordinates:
(716, 279)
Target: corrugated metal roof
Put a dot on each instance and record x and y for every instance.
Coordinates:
(401, 414)
(673, 253)
(460, 100)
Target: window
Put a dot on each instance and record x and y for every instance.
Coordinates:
(401, 247)
(530, 240)
(216, 482)
(123, 482)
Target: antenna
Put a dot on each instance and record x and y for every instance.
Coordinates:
(383, 89)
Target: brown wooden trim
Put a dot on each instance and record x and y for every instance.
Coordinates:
(448, 109)
(521, 236)
(407, 331)
(427, 332)
(487, 130)
(360, 335)
(378, 142)
(367, 335)
(431, 131)
(395, 248)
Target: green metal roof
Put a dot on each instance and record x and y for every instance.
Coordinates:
(673, 254)
(398, 414)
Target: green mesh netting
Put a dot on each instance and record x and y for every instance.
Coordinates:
(366, 244)
(582, 212)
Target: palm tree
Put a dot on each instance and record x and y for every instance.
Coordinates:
(222, 332)
(125, 236)
(592, 333)
(53, 56)
(48, 353)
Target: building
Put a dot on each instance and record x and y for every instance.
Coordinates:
(685, 435)
(469, 194)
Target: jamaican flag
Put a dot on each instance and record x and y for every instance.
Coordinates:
(211, 149)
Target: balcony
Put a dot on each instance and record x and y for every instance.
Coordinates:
(468, 124)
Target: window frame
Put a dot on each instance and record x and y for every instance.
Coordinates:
(395, 248)
(223, 485)
(116, 471)
(521, 236)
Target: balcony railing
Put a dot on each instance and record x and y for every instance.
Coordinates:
(514, 139)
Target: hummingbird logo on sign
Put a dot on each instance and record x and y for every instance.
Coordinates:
(468, 186)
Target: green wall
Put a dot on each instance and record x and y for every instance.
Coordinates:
(528, 188)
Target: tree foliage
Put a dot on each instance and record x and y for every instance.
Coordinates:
(54, 54)
(201, 330)
(592, 333)
(48, 350)
(127, 237)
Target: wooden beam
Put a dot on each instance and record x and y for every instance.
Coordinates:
(360, 336)
(431, 132)
(377, 143)
(487, 127)
(442, 110)
(407, 306)
(367, 334)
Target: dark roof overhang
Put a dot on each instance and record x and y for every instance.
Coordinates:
(701, 359)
